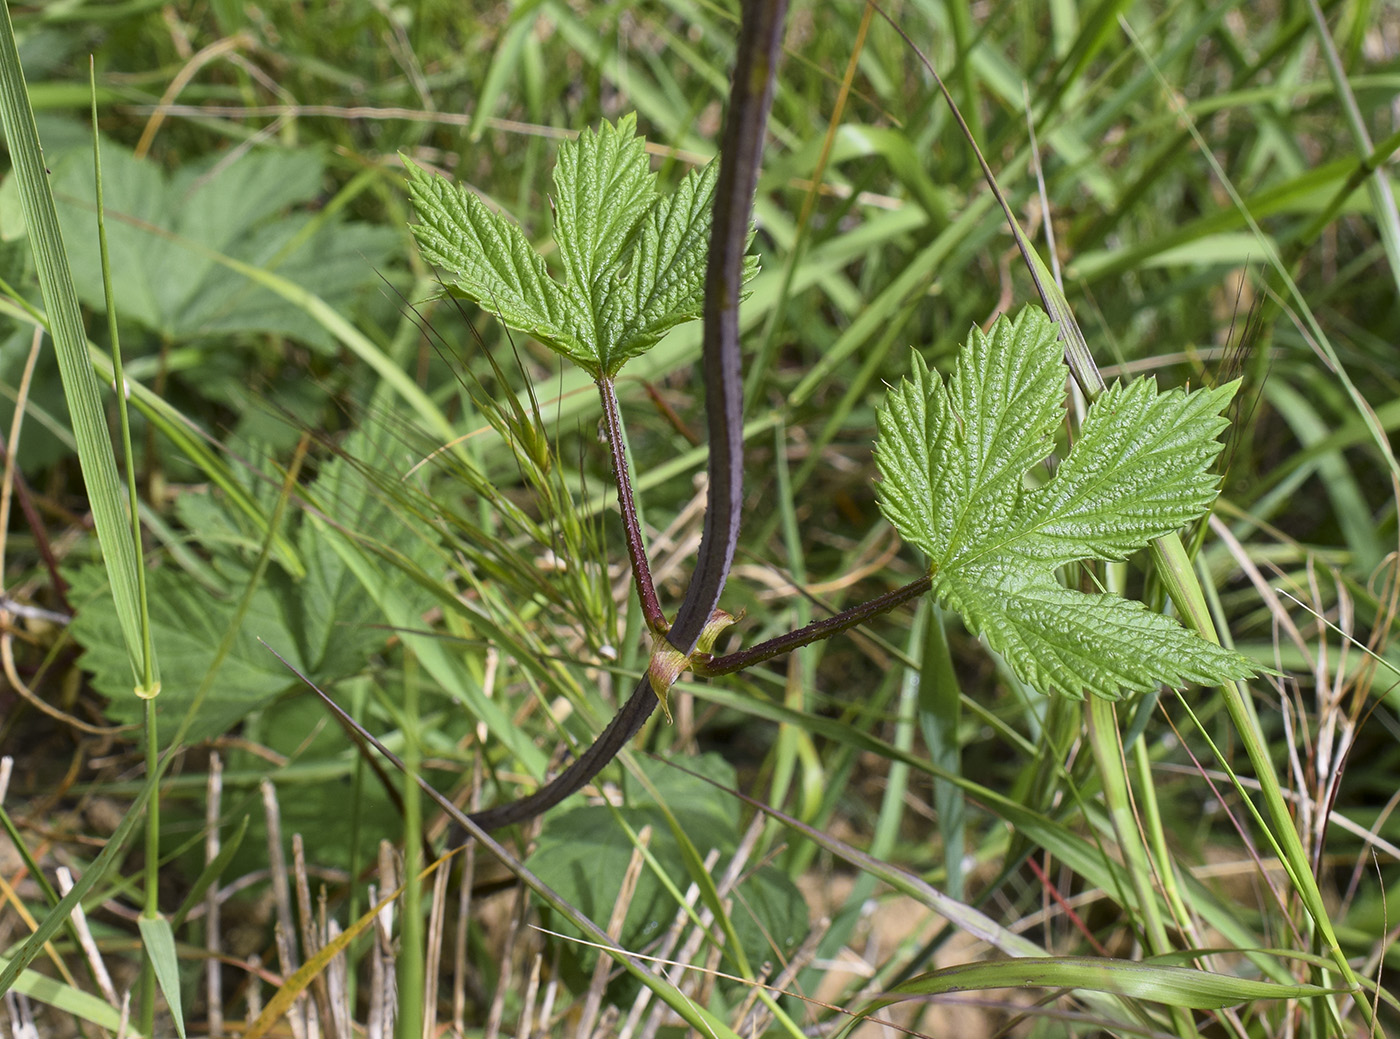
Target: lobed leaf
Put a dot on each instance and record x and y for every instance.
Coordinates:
(1005, 398)
(960, 451)
(492, 262)
(953, 460)
(664, 280)
(909, 423)
(1140, 470)
(1061, 640)
(604, 187)
(633, 259)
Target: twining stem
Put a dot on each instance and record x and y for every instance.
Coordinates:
(631, 528)
(709, 666)
(741, 147)
(624, 725)
(746, 122)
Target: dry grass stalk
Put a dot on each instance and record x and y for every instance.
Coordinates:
(527, 1010)
(598, 983)
(285, 930)
(437, 918)
(85, 940)
(337, 974)
(213, 939)
(310, 941)
(517, 917)
(667, 946)
(459, 947)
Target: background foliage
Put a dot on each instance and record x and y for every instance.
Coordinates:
(449, 565)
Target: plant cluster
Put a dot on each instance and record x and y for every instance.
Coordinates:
(1012, 785)
(953, 457)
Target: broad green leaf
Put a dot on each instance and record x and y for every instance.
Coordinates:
(1140, 470)
(187, 624)
(583, 854)
(1059, 639)
(603, 188)
(633, 260)
(909, 424)
(953, 459)
(322, 623)
(994, 417)
(664, 280)
(1004, 400)
(166, 232)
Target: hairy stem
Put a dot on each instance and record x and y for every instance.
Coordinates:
(814, 632)
(631, 528)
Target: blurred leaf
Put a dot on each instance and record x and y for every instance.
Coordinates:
(1174, 986)
(165, 229)
(211, 872)
(187, 623)
(320, 623)
(583, 853)
(82, 1005)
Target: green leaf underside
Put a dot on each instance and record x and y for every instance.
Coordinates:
(633, 259)
(953, 458)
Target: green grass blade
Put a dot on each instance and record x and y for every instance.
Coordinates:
(80, 1004)
(940, 715)
(107, 860)
(110, 514)
(1157, 983)
(1104, 740)
(159, 941)
(1377, 184)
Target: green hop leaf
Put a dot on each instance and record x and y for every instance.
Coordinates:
(491, 261)
(633, 260)
(953, 458)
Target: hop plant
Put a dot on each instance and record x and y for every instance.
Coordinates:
(953, 458)
(633, 259)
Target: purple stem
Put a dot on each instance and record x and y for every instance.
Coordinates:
(631, 528)
(741, 148)
(814, 632)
